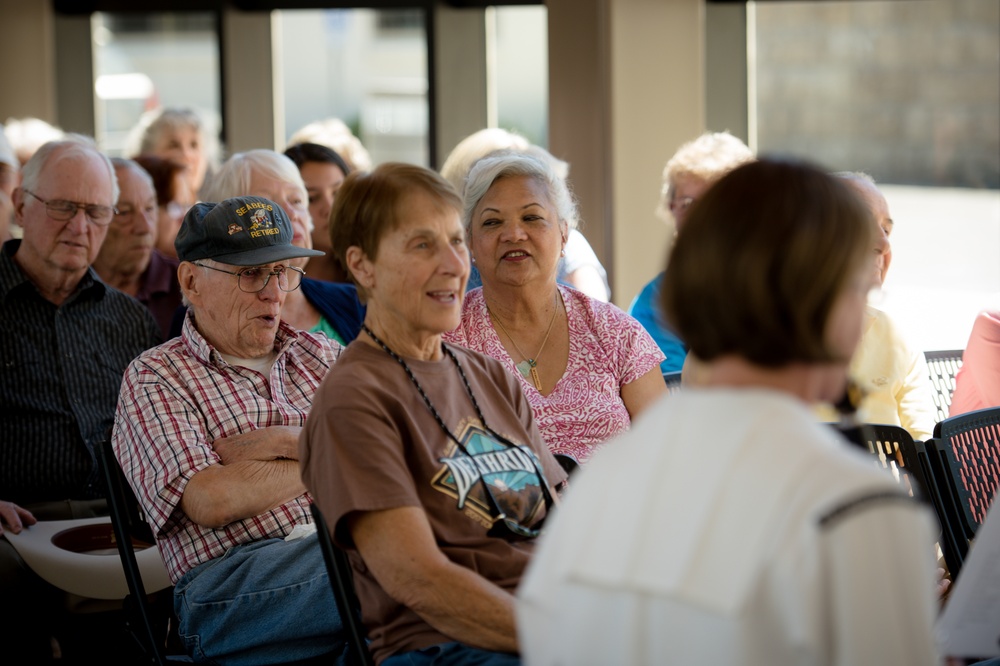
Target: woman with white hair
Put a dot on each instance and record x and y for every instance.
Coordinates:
(586, 367)
(327, 307)
(181, 135)
(579, 267)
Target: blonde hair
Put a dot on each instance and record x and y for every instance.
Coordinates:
(761, 261)
(707, 158)
(336, 135)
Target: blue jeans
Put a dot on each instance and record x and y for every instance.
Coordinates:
(452, 654)
(267, 602)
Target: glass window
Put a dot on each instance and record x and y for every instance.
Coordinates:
(907, 91)
(366, 67)
(143, 61)
(522, 71)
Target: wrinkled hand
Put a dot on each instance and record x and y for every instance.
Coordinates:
(263, 444)
(14, 517)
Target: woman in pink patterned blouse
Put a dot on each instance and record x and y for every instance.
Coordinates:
(586, 367)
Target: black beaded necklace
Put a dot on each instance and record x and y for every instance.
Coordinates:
(502, 525)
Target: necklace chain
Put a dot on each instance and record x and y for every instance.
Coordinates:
(500, 516)
(427, 401)
(531, 361)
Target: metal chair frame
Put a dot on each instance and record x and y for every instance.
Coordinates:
(342, 581)
(130, 528)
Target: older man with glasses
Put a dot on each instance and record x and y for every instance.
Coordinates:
(65, 341)
(207, 432)
(129, 260)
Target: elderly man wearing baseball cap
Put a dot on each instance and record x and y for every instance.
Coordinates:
(207, 432)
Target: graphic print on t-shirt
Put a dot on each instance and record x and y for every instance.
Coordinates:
(510, 472)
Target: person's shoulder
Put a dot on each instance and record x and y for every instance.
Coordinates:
(600, 317)
(317, 343)
(168, 358)
(331, 290)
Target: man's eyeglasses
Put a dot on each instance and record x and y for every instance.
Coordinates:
(255, 278)
(64, 211)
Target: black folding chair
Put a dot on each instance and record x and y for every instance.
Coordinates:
(942, 367)
(969, 456)
(342, 581)
(673, 381)
(919, 467)
(147, 622)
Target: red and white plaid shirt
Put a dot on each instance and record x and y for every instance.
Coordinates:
(176, 399)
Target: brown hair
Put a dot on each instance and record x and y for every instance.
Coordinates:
(370, 204)
(163, 172)
(760, 263)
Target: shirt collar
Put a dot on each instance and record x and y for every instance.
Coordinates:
(203, 350)
(158, 277)
(12, 277)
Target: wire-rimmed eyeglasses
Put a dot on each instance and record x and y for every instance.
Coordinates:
(64, 211)
(254, 279)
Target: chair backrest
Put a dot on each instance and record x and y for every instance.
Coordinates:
(942, 367)
(673, 381)
(342, 580)
(928, 461)
(972, 442)
(887, 444)
(148, 626)
(920, 469)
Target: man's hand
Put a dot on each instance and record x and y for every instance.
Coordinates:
(262, 445)
(14, 517)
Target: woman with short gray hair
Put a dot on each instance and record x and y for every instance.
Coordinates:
(585, 366)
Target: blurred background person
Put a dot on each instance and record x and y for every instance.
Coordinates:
(977, 384)
(174, 198)
(182, 135)
(323, 171)
(9, 170)
(128, 259)
(587, 368)
(892, 376)
(579, 267)
(767, 523)
(688, 174)
(317, 306)
(337, 136)
(26, 135)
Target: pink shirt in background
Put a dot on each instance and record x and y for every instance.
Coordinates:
(977, 384)
(607, 349)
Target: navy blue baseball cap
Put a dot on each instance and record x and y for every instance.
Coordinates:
(242, 231)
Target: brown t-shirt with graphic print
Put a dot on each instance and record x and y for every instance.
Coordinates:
(371, 443)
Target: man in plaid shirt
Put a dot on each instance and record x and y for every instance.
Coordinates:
(207, 433)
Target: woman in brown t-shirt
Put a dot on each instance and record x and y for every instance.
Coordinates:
(424, 458)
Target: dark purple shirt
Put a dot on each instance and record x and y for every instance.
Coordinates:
(160, 291)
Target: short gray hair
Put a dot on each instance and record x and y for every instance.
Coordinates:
(503, 164)
(72, 145)
(125, 163)
(234, 176)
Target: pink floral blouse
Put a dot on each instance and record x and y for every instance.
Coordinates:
(607, 349)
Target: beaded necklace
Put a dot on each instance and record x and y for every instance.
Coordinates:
(502, 525)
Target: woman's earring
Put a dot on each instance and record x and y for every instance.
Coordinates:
(562, 252)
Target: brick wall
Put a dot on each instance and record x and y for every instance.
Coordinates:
(907, 90)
